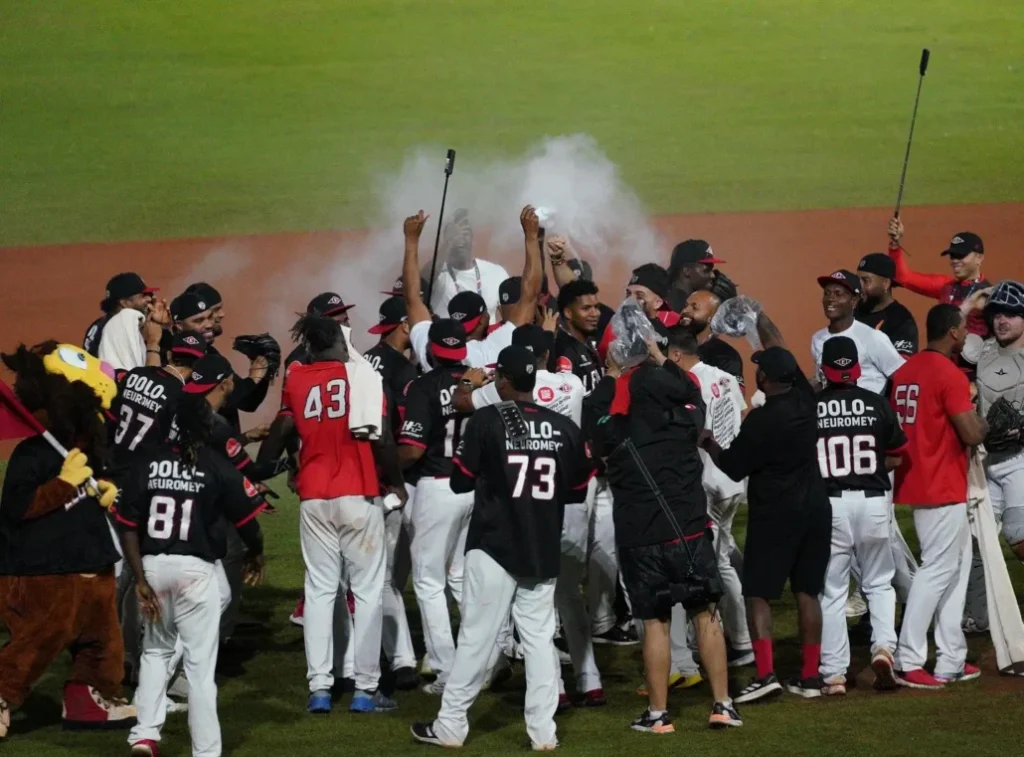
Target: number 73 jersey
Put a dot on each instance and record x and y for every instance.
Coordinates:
(857, 429)
(431, 422)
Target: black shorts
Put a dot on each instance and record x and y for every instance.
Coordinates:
(796, 548)
(659, 576)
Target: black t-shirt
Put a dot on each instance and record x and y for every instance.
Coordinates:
(856, 430)
(580, 357)
(897, 323)
(247, 396)
(432, 423)
(91, 342)
(145, 408)
(397, 373)
(181, 510)
(722, 355)
(521, 487)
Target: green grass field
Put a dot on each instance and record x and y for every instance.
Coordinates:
(163, 119)
(263, 710)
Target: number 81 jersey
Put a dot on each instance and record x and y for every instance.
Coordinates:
(431, 422)
(857, 429)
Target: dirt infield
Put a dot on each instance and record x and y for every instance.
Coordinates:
(53, 292)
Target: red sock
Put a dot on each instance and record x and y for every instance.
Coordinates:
(763, 657)
(812, 656)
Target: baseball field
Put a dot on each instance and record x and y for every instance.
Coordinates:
(259, 144)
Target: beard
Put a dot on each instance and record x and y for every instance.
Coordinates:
(695, 326)
(868, 304)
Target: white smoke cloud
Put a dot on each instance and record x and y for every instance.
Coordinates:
(227, 260)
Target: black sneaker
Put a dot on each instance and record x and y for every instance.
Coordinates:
(650, 724)
(407, 679)
(759, 688)
(424, 733)
(618, 637)
(740, 658)
(724, 716)
(808, 688)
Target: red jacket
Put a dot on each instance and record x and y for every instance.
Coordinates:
(942, 288)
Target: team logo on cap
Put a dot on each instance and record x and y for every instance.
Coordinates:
(708, 253)
(844, 362)
(106, 295)
(202, 305)
(545, 394)
(863, 262)
(956, 240)
(381, 317)
(191, 341)
(196, 376)
(504, 297)
(334, 300)
(529, 369)
(635, 279)
(451, 341)
(458, 316)
(838, 275)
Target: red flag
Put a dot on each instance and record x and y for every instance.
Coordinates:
(15, 421)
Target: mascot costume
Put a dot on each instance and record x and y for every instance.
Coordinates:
(57, 549)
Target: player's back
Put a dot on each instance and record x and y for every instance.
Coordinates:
(332, 462)
(432, 423)
(145, 408)
(855, 432)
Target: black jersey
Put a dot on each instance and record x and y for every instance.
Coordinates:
(145, 407)
(722, 355)
(856, 430)
(897, 323)
(397, 372)
(580, 357)
(183, 510)
(432, 423)
(91, 342)
(522, 485)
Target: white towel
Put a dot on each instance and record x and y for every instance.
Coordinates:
(1005, 624)
(121, 344)
(366, 394)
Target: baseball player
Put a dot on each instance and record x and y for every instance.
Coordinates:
(859, 442)
(463, 272)
(648, 285)
(125, 291)
(932, 400)
(877, 307)
(328, 304)
(524, 462)
(330, 406)
(692, 269)
(696, 315)
(171, 518)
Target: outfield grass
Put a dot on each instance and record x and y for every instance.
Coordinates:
(263, 710)
(168, 119)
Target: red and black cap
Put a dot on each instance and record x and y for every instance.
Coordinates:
(208, 373)
(878, 264)
(839, 360)
(510, 290)
(188, 305)
(652, 276)
(190, 343)
(519, 365)
(327, 304)
(846, 279)
(392, 314)
(467, 308)
(125, 285)
(399, 286)
(447, 339)
(777, 363)
(693, 252)
(963, 244)
(206, 292)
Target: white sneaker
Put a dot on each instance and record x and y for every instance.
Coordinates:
(434, 687)
(176, 708)
(856, 605)
(835, 686)
(425, 669)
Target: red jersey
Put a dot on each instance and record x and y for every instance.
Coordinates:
(940, 287)
(927, 391)
(668, 317)
(332, 462)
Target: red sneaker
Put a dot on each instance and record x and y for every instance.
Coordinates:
(969, 673)
(564, 703)
(918, 679)
(86, 709)
(594, 698)
(145, 748)
(296, 618)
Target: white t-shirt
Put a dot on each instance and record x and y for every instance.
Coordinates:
(878, 358)
(561, 392)
(450, 282)
(479, 353)
(725, 406)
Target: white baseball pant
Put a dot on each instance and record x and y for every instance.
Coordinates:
(570, 604)
(440, 522)
(731, 605)
(349, 529)
(395, 636)
(490, 590)
(938, 591)
(190, 602)
(860, 526)
(344, 648)
(224, 589)
(603, 575)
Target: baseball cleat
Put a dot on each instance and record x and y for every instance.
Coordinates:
(739, 658)
(145, 748)
(972, 627)
(759, 688)
(834, 686)
(969, 673)
(564, 704)
(319, 703)
(885, 674)
(425, 669)
(648, 723)
(176, 708)
(434, 687)
(617, 637)
(296, 618)
(808, 688)
(676, 682)
(407, 679)
(919, 678)
(544, 747)
(564, 660)
(724, 715)
(592, 698)
(424, 733)
(366, 701)
(856, 605)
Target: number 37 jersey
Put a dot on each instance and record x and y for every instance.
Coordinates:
(431, 422)
(856, 430)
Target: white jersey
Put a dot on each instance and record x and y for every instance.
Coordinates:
(483, 277)
(878, 358)
(481, 353)
(725, 406)
(561, 392)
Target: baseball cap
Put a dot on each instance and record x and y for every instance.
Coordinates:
(879, 264)
(187, 305)
(963, 244)
(534, 338)
(777, 363)
(206, 293)
(519, 365)
(467, 308)
(839, 360)
(652, 276)
(510, 290)
(207, 373)
(846, 279)
(391, 314)
(693, 252)
(447, 339)
(328, 304)
(125, 285)
(188, 343)
(399, 286)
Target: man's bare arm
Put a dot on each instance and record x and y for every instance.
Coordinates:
(281, 436)
(768, 332)
(414, 305)
(560, 253)
(525, 310)
(970, 427)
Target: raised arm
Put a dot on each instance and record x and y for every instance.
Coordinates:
(416, 308)
(768, 332)
(524, 311)
(926, 284)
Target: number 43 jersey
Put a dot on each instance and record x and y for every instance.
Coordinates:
(856, 430)
(431, 422)
(184, 510)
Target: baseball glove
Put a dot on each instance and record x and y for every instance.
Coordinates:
(1005, 425)
(723, 287)
(261, 345)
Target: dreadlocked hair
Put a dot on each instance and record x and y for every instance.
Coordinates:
(318, 332)
(69, 410)
(195, 424)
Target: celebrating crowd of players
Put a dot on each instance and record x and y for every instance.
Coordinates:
(491, 448)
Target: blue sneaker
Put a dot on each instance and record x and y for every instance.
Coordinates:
(319, 702)
(364, 701)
